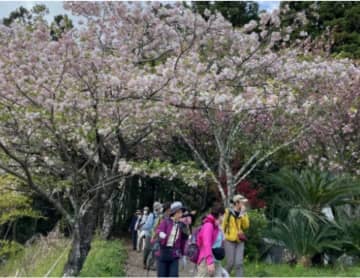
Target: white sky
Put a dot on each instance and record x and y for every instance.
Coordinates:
(56, 7)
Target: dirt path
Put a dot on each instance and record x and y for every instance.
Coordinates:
(134, 266)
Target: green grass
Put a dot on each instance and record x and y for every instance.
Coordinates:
(38, 259)
(106, 258)
(253, 269)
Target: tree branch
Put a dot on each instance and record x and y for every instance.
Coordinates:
(206, 166)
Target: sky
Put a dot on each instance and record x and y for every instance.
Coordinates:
(56, 7)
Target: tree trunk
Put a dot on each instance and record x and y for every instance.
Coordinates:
(83, 232)
(231, 186)
(14, 231)
(110, 206)
(305, 261)
(108, 217)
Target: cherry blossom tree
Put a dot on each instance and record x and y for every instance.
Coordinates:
(252, 96)
(74, 111)
(334, 144)
(71, 109)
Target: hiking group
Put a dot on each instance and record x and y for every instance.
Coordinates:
(166, 237)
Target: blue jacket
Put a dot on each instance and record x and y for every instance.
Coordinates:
(149, 223)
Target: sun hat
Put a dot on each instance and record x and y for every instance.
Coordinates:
(157, 206)
(240, 198)
(175, 207)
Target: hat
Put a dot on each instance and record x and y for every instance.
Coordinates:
(138, 211)
(175, 207)
(157, 206)
(240, 198)
(146, 208)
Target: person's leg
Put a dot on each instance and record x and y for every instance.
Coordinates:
(202, 270)
(155, 264)
(163, 268)
(158, 267)
(138, 241)
(147, 250)
(134, 239)
(141, 241)
(174, 268)
(239, 259)
(218, 269)
(229, 255)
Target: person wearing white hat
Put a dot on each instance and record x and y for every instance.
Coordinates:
(236, 221)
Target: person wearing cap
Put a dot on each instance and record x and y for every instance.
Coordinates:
(236, 221)
(151, 262)
(141, 231)
(171, 233)
(133, 227)
(165, 213)
(147, 229)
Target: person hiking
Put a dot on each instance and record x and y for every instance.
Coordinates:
(151, 261)
(171, 233)
(137, 229)
(236, 221)
(188, 219)
(210, 243)
(132, 228)
(141, 232)
(148, 228)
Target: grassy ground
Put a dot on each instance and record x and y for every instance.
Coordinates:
(106, 258)
(253, 269)
(44, 257)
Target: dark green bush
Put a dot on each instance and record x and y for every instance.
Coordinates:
(8, 248)
(258, 223)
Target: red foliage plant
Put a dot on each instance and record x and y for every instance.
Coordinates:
(247, 189)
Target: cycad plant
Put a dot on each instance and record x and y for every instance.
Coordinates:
(305, 241)
(309, 191)
(300, 224)
(351, 226)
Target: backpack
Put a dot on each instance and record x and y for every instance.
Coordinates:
(192, 249)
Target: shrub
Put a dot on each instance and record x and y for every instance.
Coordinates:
(8, 249)
(258, 223)
(305, 240)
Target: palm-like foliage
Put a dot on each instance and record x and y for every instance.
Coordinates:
(303, 228)
(310, 191)
(351, 227)
(303, 240)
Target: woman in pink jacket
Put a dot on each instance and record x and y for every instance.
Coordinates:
(210, 241)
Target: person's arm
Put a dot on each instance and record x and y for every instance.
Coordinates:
(161, 231)
(184, 236)
(207, 232)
